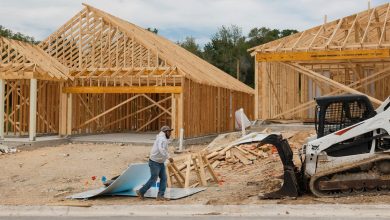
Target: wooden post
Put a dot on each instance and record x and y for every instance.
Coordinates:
(33, 110)
(69, 115)
(180, 106)
(263, 99)
(62, 114)
(177, 114)
(180, 112)
(256, 89)
(173, 117)
(2, 99)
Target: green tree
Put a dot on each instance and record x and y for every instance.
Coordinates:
(257, 36)
(228, 47)
(190, 44)
(5, 32)
(227, 50)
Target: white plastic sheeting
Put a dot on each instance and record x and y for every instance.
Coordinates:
(240, 116)
(252, 138)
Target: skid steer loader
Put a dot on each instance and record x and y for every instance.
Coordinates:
(350, 154)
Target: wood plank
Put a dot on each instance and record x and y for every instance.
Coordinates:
(169, 177)
(177, 171)
(175, 175)
(323, 55)
(188, 171)
(196, 168)
(243, 159)
(201, 170)
(324, 79)
(228, 155)
(123, 89)
(108, 111)
(210, 169)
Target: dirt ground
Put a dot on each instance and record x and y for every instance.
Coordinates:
(45, 176)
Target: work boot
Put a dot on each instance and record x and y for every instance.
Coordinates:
(140, 195)
(162, 198)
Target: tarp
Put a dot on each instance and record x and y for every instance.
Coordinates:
(131, 179)
(245, 119)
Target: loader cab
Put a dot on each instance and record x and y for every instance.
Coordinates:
(334, 113)
(337, 112)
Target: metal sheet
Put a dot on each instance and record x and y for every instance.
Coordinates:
(170, 193)
(87, 194)
(134, 176)
(131, 179)
(252, 138)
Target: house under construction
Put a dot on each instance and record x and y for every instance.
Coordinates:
(100, 74)
(347, 55)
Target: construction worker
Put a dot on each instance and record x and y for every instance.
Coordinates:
(158, 156)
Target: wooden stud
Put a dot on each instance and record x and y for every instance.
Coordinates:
(2, 98)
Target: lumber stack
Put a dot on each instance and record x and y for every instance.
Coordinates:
(191, 171)
(245, 154)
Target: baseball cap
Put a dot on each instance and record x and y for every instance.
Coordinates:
(165, 128)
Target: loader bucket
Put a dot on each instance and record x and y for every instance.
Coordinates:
(290, 187)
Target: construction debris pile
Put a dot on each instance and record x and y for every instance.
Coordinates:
(244, 150)
(226, 150)
(8, 150)
(245, 154)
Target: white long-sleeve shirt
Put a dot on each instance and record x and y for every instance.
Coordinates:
(159, 152)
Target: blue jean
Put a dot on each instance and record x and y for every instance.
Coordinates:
(156, 170)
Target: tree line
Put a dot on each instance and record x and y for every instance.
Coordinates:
(228, 47)
(5, 32)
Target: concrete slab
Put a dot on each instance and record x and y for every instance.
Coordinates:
(40, 141)
(131, 138)
(125, 138)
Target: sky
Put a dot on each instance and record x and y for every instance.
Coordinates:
(176, 19)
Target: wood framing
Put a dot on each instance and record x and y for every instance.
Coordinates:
(21, 60)
(98, 73)
(348, 55)
(368, 29)
(323, 55)
(122, 89)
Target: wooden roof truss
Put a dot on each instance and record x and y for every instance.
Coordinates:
(365, 30)
(19, 60)
(97, 46)
(94, 48)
